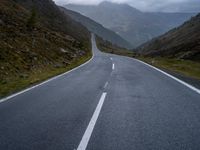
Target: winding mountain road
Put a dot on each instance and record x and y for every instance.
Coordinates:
(110, 103)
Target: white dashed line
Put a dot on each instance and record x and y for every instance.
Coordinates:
(106, 84)
(113, 66)
(86, 137)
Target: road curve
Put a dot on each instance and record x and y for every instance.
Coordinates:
(111, 103)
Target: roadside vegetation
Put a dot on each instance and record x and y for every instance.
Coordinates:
(17, 82)
(184, 67)
(178, 50)
(108, 47)
(31, 51)
(182, 42)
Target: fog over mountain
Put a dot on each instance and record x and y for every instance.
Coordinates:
(130, 23)
(97, 28)
(146, 5)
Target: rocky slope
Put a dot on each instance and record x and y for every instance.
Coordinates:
(181, 42)
(36, 41)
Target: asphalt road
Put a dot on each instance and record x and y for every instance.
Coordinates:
(111, 103)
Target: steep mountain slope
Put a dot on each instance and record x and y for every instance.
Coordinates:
(51, 16)
(33, 47)
(97, 28)
(133, 25)
(182, 42)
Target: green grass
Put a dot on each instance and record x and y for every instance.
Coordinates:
(185, 67)
(15, 84)
(31, 50)
(108, 47)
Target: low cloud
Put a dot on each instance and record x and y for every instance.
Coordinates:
(147, 5)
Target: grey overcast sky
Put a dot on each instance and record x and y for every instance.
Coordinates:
(147, 5)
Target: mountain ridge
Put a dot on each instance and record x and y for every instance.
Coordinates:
(97, 28)
(181, 42)
(131, 24)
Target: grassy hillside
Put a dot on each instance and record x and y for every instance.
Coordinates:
(33, 47)
(182, 42)
(97, 28)
(185, 68)
(107, 47)
(177, 50)
(51, 17)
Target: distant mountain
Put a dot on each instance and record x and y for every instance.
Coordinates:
(133, 25)
(97, 28)
(182, 42)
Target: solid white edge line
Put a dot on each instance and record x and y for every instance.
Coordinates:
(88, 132)
(113, 66)
(106, 84)
(48, 80)
(176, 79)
